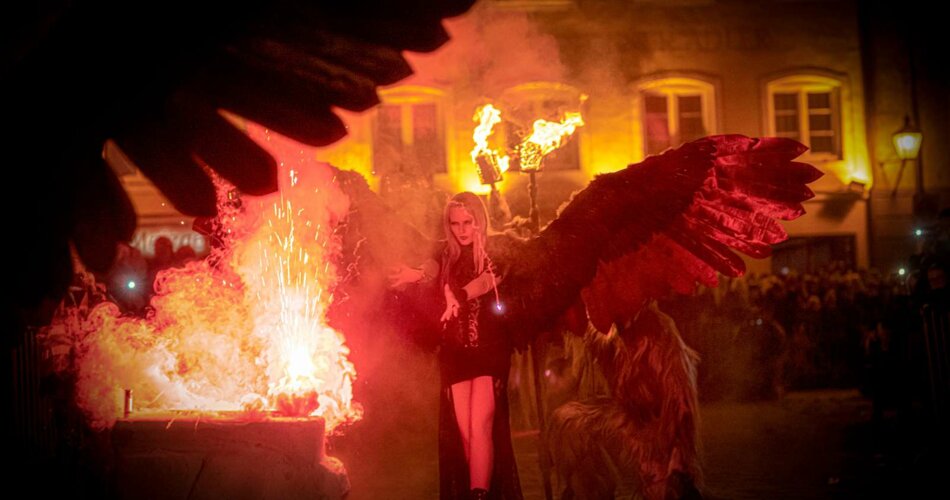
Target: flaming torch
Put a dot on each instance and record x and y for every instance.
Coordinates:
(528, 156)
(545, 138)
(490, 163)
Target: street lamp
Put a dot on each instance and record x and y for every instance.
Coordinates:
(907, 140)
(907, 144)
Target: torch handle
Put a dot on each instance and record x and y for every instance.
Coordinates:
(533, 214)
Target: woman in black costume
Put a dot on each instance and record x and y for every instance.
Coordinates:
(475, 454)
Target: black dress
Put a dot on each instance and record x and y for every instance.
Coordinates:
(472, 345)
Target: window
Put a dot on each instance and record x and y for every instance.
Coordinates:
(806, 108)
(409, 132)
(523, 104)
(674, 111)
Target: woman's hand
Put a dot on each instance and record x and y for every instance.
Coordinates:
(403, 275)
(451, 305)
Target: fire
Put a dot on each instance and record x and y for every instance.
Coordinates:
(243, 330)
(487, 117)
(546, 136)
(549, 136)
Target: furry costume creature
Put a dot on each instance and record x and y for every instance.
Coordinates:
(642, 438)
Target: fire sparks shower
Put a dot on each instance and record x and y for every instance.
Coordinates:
(243, 330)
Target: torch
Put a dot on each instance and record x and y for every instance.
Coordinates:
(489, 163)
(529, 155)
(489, 173)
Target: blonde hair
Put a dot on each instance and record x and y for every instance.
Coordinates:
(474, 206)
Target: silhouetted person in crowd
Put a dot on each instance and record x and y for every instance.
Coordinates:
(127, 280)
(184, 255)
(163, 257)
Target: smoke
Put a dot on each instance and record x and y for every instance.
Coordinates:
(490, 50)
(244, 330)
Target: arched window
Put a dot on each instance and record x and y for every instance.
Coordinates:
(409, 131)
(675, 110)
(807, 108)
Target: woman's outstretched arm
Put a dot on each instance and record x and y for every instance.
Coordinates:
(480, 285)
(404, 275)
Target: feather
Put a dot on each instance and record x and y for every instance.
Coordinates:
(661, 225)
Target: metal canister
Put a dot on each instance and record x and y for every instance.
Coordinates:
(127, 407)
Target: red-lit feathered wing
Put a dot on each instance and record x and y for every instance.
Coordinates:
(667, 223)
(662, 225)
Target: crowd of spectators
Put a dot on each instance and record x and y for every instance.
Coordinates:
(761, 335)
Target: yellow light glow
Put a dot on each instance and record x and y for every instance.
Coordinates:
(907, 144)
(860, 176)
(471, 183)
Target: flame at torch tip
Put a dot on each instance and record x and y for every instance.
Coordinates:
(546, 136)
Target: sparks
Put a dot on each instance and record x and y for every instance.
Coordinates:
(244, 330)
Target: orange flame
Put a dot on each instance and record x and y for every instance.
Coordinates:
(546, 136)
(549, 135)
(243, 330)
(487, 117)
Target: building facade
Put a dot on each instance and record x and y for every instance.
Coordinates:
(648, 75)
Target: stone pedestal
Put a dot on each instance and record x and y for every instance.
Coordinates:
(196, 458)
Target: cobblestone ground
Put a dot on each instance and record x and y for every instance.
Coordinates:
(798, 447)
(807, 445)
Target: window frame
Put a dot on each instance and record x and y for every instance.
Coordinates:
(406, 97)
(802, 85)
(671, 87)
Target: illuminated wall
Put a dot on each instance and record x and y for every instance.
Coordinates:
(725, 61)
(636, 72)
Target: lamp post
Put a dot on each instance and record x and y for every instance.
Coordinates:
(907, 144)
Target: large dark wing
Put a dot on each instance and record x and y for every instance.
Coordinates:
(663, 224)
(153, 76)
(375, 238)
